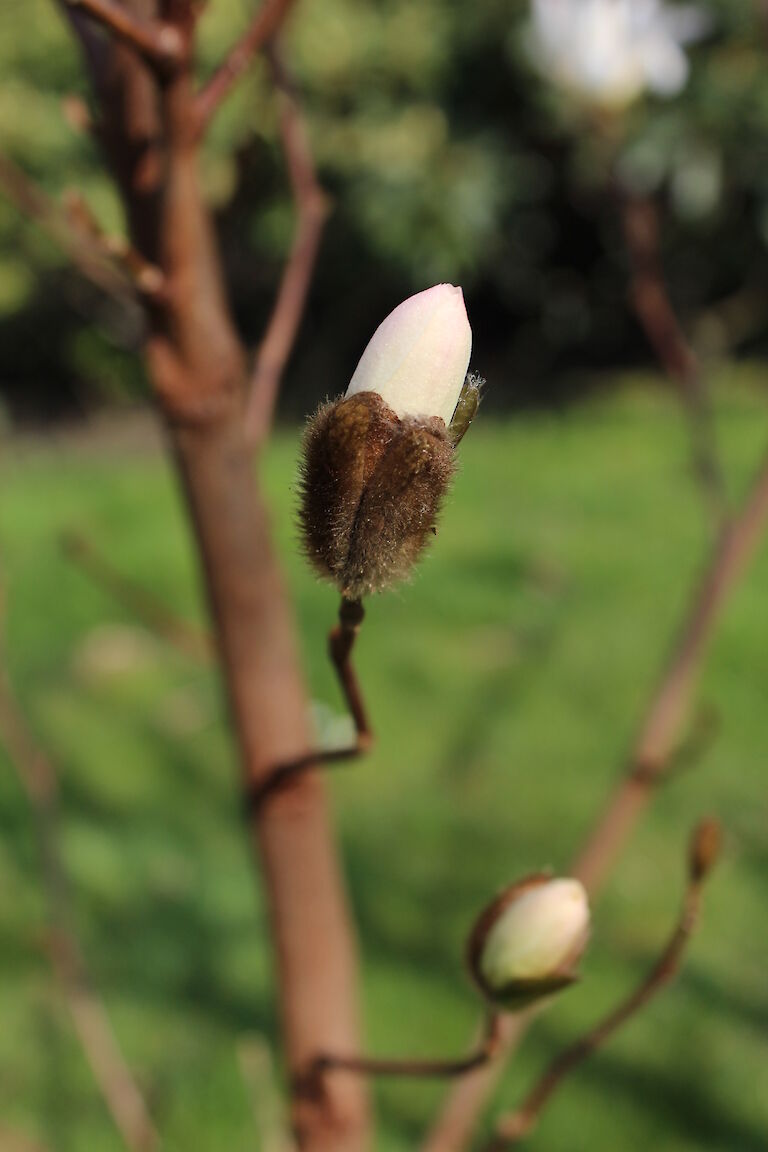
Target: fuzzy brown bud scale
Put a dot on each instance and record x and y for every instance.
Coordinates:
(371, 489)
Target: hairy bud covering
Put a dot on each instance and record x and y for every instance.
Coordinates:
(371, 488)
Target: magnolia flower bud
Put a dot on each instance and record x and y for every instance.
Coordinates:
(378, 462)
(527, 942)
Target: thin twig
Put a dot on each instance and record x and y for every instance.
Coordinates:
(311, 213)
(197, 644)
(83, 250)
(146, 278)
(419, 1069)
(158, 42)
(264, 27)
(99, 1043)
(513, 1128)
(153, 612)
(341, 642)
(662, 328)
(97, 1039)
(258, 1073)
(77, 114)
(18, 1142)
(659, 735)
(654, 748)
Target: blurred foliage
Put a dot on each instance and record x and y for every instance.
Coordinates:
(505, 683)
(447, 158)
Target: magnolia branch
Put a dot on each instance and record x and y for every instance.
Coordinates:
(265, 25)
(703, 853)
(656, 314)
(311, 213)
(192, 642)
(254, 1057)
(158, 42)
(18, 1142)
(89, 1017)
(146, 278)
(654, 750)
(660, 733)
(83, 249)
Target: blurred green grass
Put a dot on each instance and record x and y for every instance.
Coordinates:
(505, 684)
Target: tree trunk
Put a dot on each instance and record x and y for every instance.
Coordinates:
(314, 946)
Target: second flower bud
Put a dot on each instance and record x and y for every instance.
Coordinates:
(526, 944)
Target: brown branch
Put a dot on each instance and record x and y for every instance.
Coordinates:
(99, 1043)
(110, 1071)
(83, 250)
(311, 213)
(258, 1073)
(662, 328)
(659, 735)
(654, 747)
(341, 642)
(77, 114)
(144, 605)
(264, 27)
(417, 1069)
(145, 277)
(159, 42)
(513, 1128)
(18, 1142)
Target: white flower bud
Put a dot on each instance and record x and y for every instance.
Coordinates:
(527, 943)
(417, 358)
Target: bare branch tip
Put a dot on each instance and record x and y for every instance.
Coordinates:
(704, 849)
(77, 114)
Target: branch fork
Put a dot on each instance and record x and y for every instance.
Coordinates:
(329, 1063)
(147, 278)
(160, 43)
(703, 851)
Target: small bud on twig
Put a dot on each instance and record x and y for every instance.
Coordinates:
(704, 849)
(378, 462)
(76, 113)
(525, 945)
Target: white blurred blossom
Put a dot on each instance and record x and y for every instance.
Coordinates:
(608, 52)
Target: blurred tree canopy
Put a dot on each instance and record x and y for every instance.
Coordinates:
(447, 158)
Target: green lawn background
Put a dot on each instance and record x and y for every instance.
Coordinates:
(505, 685)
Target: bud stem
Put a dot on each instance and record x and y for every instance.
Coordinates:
(341, 641)
(371, 1066)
